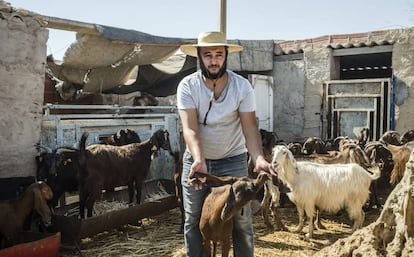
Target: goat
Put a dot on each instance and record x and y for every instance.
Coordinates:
(400, 159)
(15, 212)
(363, 137)
(108, 166)
(314, 145)
(227, 197)
(122, 137)
(379, 153)
(407, 136)
(270, 195)
(328, 187)
(295, 148)
(390, 137)
(59, 169)
(271, 201)
(351, 152)
(400, 156)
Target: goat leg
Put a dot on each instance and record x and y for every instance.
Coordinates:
(301, 213)
(131, 192)
(311, 220)
(277, 220)
(318, 221)
(265, 206)
(225, 248)
(207, 248)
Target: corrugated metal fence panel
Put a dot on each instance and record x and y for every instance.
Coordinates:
(65, 130)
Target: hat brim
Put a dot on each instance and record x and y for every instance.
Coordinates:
(192, 49)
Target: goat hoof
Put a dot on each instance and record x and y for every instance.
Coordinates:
(308, 236)
(282, 228)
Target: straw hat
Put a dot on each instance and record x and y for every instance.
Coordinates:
(208, 39)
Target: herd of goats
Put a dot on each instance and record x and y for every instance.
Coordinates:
(315, 175)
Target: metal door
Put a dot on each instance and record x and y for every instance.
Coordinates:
(263, 88)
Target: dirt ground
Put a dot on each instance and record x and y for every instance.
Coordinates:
(158, 236)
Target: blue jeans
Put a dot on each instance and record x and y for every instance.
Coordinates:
(243, 237)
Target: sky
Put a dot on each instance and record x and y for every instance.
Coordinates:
(246, 19)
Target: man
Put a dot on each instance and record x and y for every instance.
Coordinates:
(217, 111)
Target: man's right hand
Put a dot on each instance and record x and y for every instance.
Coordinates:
(197, 166)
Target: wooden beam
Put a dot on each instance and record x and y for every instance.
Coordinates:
(362, 50)
(70, 25)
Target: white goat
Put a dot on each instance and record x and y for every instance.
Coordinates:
(328, 187)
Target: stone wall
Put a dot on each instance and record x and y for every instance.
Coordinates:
(22, 71)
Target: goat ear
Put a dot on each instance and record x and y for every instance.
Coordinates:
(213, 181)
(227, 212)
(155, 143)
(261, 179)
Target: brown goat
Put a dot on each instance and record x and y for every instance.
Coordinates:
(271, 201)
(349, 153)
(15, 212)
(314, 145)
(400, 159)
(271, 191)
(108, 166)
(228, 196)
(295, 148)
(400, 155)
(391, 137)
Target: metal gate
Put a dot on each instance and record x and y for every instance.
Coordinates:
(350, 105)
(65, 130)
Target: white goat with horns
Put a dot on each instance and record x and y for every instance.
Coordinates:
(328, 187)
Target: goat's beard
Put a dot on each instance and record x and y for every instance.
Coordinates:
(207, 74)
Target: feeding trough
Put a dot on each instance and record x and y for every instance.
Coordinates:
(73, 229)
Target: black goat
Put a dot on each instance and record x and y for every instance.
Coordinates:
(108, 166)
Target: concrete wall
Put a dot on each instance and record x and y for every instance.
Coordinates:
(403, 69)
(22, 71)
(289, 99)
(299, 85)
(298, 94)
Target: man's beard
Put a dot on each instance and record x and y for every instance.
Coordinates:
(208, 74)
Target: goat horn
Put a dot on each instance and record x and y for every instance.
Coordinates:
(39, 147)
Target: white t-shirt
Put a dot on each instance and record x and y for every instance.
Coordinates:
(222, 136)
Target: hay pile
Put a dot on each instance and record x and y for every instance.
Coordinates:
(158, 236)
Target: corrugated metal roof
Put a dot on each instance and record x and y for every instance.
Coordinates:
(367, 39)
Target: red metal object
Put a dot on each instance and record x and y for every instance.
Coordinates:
(37, 245)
